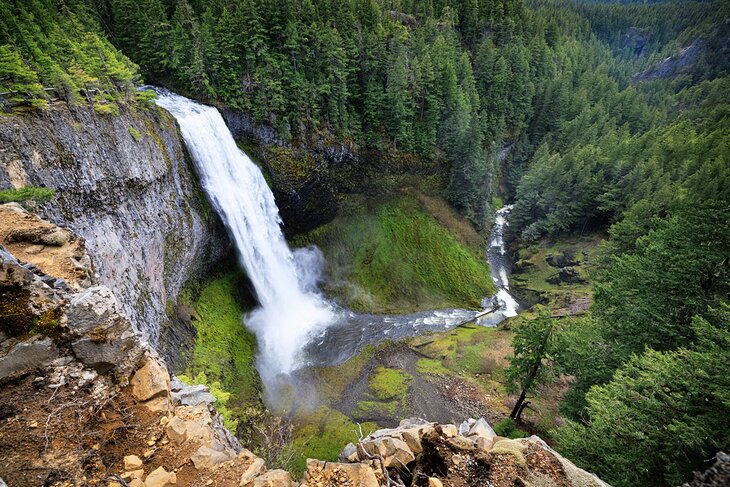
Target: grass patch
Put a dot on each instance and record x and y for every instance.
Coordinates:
(369, 410)
(388, 383)
(28, 193)
(322, 434)
(508, 429)
(427, 366)
(332, 381)
(407, 254)
(135, 133)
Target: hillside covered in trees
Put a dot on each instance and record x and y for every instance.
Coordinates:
(585, 115)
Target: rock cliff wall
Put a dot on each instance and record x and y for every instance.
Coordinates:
(124, 183)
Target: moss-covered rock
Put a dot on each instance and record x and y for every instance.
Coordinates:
(403, 255)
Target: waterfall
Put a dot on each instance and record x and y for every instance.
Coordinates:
(499, 263)
(290, 308)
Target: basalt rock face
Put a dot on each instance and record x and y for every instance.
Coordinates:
(125, 185)
(305, 175)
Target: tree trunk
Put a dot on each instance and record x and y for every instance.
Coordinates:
(517, 410)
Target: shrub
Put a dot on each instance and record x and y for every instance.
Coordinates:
(508, 428)
(28, 193)
(135, 134)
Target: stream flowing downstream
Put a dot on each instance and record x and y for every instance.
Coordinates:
(294, 323)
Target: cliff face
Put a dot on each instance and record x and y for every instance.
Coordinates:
(124, 184)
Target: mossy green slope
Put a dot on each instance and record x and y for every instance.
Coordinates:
(400, 257)
(224, 352)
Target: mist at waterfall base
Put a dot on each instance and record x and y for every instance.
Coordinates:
(295, 325)
(290, 306)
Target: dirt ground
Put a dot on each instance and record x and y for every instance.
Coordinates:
(55, 251)
(64, 436)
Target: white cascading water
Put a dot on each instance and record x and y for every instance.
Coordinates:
(290, 307)
(496, 254)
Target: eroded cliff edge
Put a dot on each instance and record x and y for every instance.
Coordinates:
(126, 185)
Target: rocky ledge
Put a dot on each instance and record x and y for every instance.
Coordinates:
(84, 400)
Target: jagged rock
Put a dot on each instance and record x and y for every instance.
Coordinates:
(394, 451)
(136, 205)
(349, 453)
(465, 426)
(274, 478)
(22, 357)
(206, 457)
(567, 275)
(91, 307)
(449, 430)
(717, 475)
(158, 405)
(136, 483)
(133, 474)
(330, 474)
(482, 429)
(193, 395)
(256, 467)
(160, 478)
(483, 444)
(132, 462)
(176, 429)
(413, 422)
(412, 438)
(150, 380)
(461, 443)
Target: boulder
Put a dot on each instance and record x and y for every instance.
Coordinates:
(395, 452)
(482, 429)
(349, 453)
(160, 478)
(412, 438)
(274, 478)
(256, 468)
(176, 429)
(23, 357)
(133, 474)
(449, 430)
(434, 482)
(483, 444)
(193, 395)
(136, 483)
(335, 474)
(150, 380)
(158, 405)
(132, 462)
(206, 457)
(413, 422)
(91, 307)
(466, 426)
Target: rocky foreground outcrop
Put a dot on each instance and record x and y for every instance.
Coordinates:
(85, 401)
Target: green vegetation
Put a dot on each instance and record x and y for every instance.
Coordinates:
(28, 193)
(533, 345)
(223, 357)
(613, 120)
(414, 76)
(46, 44)
(369, 410)
(398, 257)
(135, 133)
(509, 429)
(322, 435)
(662, 414)
(388, 383)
